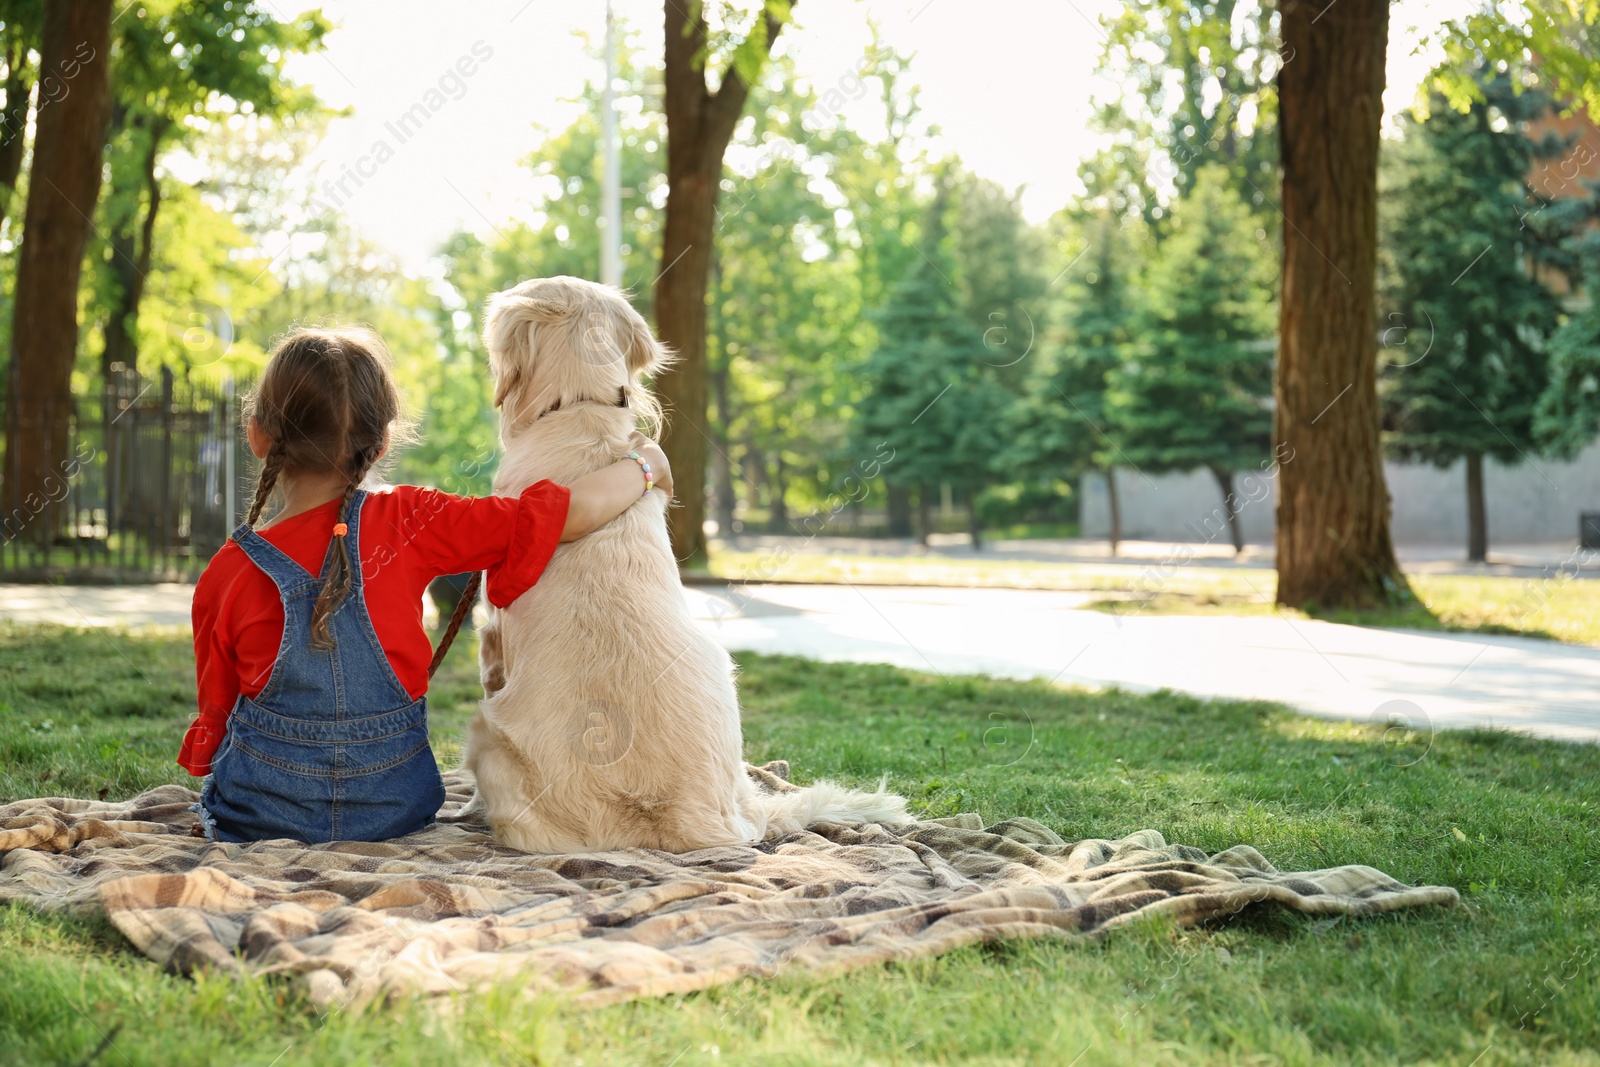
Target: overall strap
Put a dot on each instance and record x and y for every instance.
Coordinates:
(283, 570)
(352, 539)
(285, 573)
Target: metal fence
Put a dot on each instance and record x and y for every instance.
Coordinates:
(151, 481)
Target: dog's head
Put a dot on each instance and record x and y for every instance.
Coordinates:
(558, 342)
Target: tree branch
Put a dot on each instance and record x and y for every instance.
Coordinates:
(728, 103)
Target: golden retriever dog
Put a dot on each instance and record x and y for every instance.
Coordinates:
(609, 719)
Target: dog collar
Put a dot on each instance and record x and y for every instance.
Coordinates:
(621, 402)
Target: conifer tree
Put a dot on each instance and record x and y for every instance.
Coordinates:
(931, 394)
(1062, 428)
(1460, 268)
(1567, 418)
(1195, 394)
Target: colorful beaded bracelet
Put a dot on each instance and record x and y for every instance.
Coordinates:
(649, 479)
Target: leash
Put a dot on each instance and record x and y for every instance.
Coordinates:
(469, 597)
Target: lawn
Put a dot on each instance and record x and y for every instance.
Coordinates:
(1554, 606)
(1507, 978)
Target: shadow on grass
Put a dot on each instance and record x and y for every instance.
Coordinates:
(1417, 616)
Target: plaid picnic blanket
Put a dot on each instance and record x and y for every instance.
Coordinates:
(446, 908)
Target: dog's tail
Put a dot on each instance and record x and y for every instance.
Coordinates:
(824, 802)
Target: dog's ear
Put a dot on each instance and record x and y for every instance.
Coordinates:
(645, 354)
(506, 383)
(508, 337)
(509, 327)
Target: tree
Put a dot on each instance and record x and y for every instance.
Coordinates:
(932, 397)
(1195, 395)
(1063, 428)
(176, 62)
(1568, 415)
(20, 35)
(1202, 72)
(997, 256)
(1333, 539)
(1333, 512)
(70, 127)
(786, 322)
(1462, 271)
(700, 123)
(879, 183)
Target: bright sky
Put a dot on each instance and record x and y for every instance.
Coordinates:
(1009, 90)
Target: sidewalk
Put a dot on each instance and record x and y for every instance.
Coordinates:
(1428, 681)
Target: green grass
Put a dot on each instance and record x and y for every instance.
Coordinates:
(1558, 608)
(1509, 821)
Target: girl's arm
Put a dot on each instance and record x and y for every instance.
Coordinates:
(512, 538)
(216, 677)
(598, 498)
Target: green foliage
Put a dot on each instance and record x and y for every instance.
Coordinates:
(998, 256)
(1562, 35)
(1063, 425)
(209, 267)
(1567, 418)
(181, 69)
(1203, 93)
(561, 233)
(738, 37)
(1457, 257)
(1195, 393)
(786, 311)
(178, 58)
(932, 394)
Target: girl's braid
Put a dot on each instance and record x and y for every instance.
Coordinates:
(266, 478)
(336, 585)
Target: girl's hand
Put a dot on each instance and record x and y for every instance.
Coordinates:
(596, 499)
(660, 469)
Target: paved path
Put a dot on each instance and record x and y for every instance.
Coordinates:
(1439, 680)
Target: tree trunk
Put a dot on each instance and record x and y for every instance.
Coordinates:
(1116, 508)
(974, 523)
(722, 462)
(14, 121)
(1230, 506)
(778, 486)
(1333, 542)
(898, 501)
(131, 253)
(69, 136)
(1477, 515)
(924, 514)
(699, 125)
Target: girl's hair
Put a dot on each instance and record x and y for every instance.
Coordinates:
(328, 402)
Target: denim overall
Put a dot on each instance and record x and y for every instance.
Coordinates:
(333, 748)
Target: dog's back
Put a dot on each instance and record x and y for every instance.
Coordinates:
(610, 719)
(619, 714)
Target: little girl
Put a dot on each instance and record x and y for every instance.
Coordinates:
(309, 646)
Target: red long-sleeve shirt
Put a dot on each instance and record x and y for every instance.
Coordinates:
(408, 537)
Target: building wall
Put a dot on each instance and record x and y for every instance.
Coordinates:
(1537, 501)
